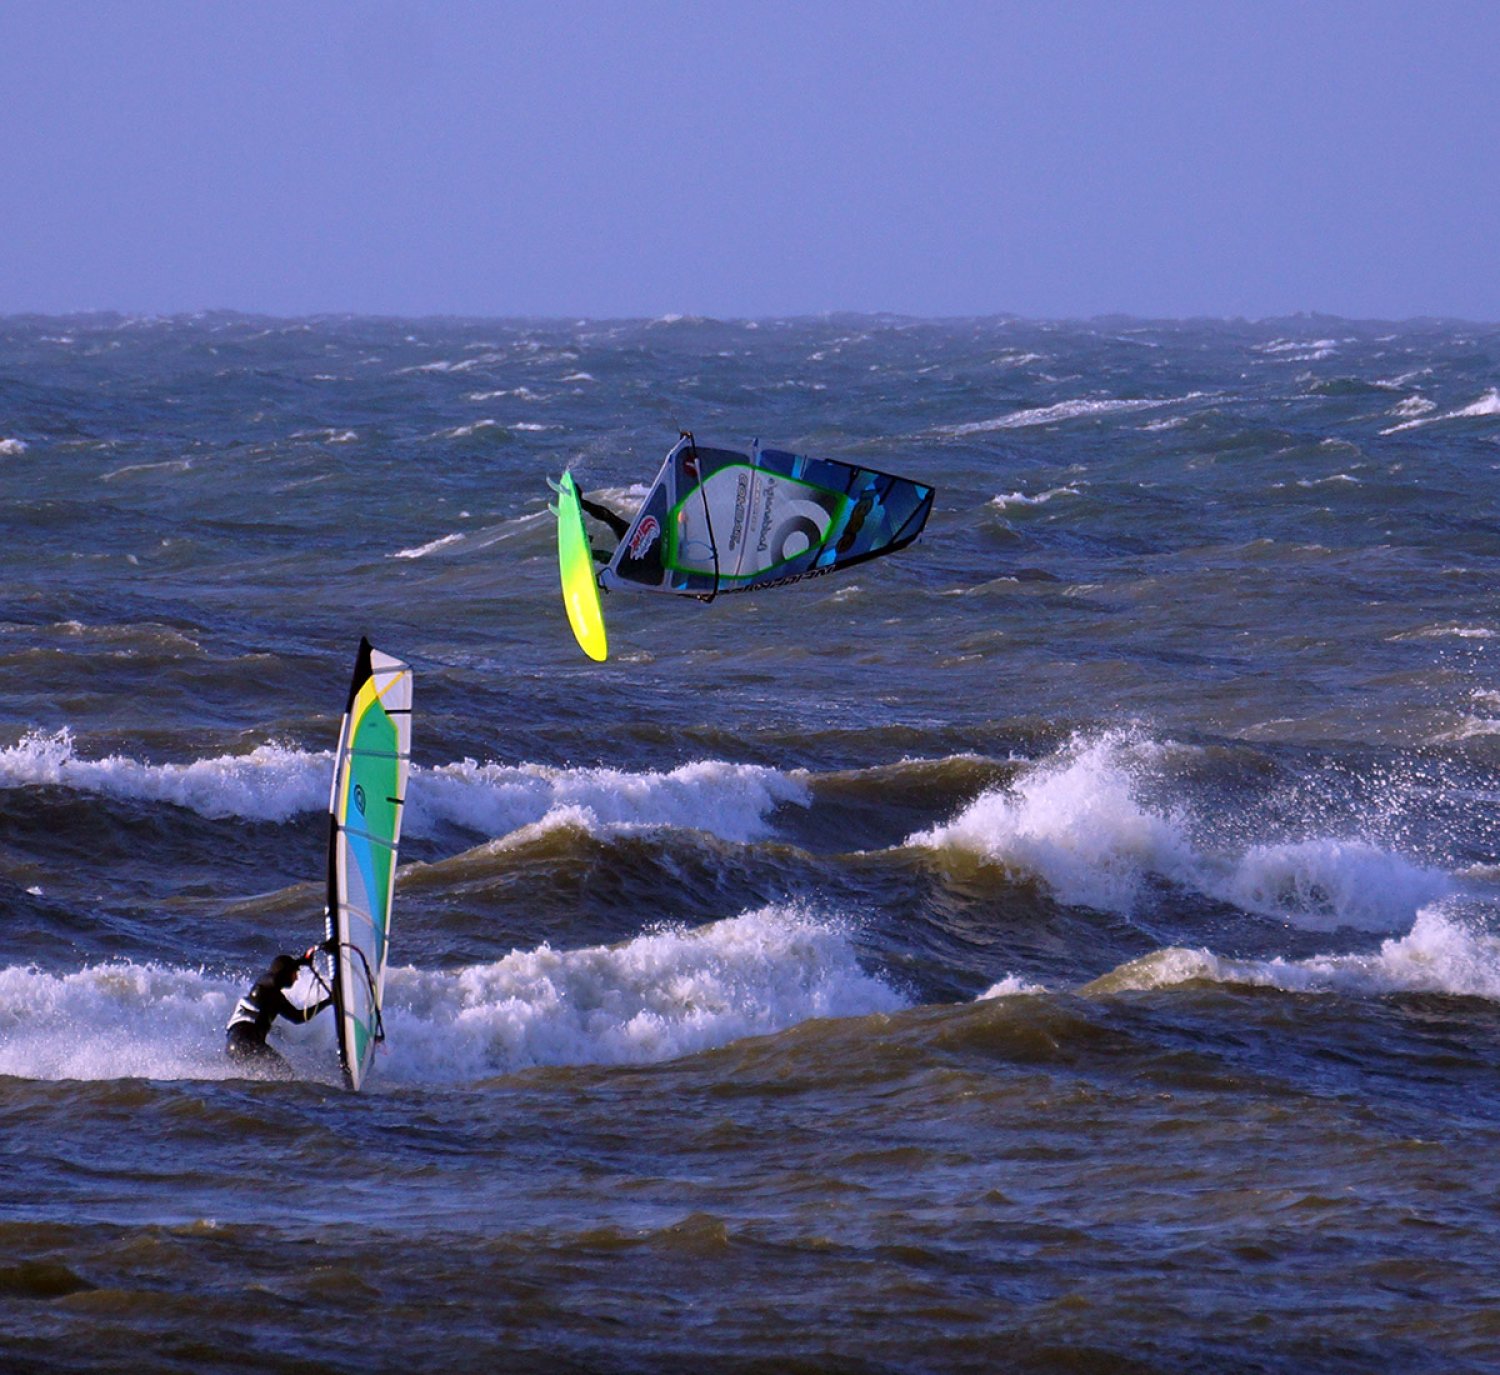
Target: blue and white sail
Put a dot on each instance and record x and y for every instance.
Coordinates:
(716, 520)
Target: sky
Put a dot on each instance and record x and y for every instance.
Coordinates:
(734, 158)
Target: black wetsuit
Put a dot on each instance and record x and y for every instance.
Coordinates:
(245, 1037)
(618, 524)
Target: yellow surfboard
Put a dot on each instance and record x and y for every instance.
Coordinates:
(575, 564)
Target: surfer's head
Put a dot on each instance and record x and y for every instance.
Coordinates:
(284, 971)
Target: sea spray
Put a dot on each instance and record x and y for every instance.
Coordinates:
(1075, 823)
(124, 1020)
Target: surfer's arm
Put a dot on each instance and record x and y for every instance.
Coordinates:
(602, 513)
(293, 1013)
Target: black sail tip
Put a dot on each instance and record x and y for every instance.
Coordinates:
(362, 670)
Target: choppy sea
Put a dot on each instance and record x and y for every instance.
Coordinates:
(1069, 944)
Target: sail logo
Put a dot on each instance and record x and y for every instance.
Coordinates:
(643, 537)
(359, 798)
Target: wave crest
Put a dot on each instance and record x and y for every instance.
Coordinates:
(274, 783)
(1444, 953)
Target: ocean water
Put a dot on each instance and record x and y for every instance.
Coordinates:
(1070, 944)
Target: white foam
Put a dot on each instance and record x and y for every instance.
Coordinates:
(1301, 348)
(1011, 986)
(1413, 406)
(1021, 499)
(1445, 632)
(1446, 951)
(449, 365)
(663, 994)
(167, 465)
(431, 547)
(12, 448)
(275, 783)
(520, 393)
(729, 800)
(1076, 823)
(327, 436)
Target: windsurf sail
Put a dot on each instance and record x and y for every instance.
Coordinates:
(575, 565)
(720, 521)
(365, 806)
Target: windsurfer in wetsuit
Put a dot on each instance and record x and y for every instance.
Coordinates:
(245, 1037)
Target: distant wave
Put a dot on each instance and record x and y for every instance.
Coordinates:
(1298, 350)
(666, 993)
(274, 783)
(479, 360)
(12, 448)
(1445, 632)
(1049, 415)
(1076, 823)
(421, 551)
(1021, 499)
(1487, 405)
(520, 393)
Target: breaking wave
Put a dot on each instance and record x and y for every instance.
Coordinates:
(1076, 823)
(666, 993)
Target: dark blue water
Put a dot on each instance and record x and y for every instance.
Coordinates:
(1072, 943)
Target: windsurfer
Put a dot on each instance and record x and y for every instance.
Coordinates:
(245, 1037)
